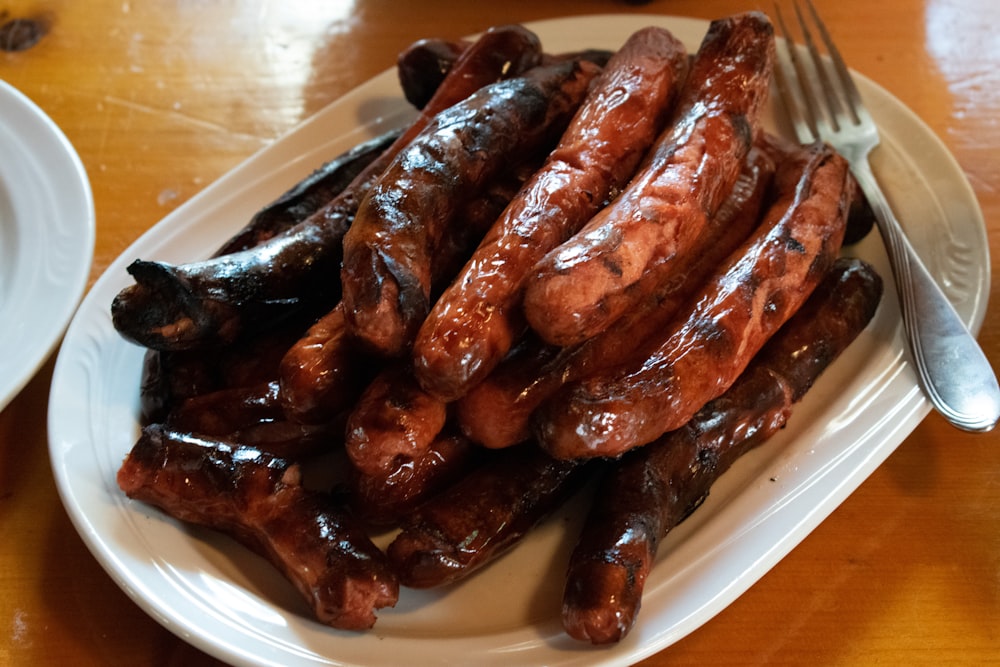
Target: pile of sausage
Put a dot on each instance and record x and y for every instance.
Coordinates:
(569, 267)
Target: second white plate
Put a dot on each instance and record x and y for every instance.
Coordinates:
(46, 237)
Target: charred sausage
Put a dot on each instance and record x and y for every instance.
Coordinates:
(258, 499)
(474, 521)
(308, 195)
(475, 322)
(748, 298)
(389, 250)
(578, 288)
(652, 489)
(207, 303)
(422, 66)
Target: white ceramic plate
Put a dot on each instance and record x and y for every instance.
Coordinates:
(231, 604)
(46, 237)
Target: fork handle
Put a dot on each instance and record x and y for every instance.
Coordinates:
(954, 372)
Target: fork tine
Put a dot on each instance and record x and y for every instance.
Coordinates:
(856, 107)
(834, 107)
(793, 86)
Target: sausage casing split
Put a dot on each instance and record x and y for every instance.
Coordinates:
(578, 288)
(749, 297)
(476, 320)
(389, 250)
(258, 499)
(652, 489)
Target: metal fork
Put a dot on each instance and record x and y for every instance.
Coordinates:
(824, 104)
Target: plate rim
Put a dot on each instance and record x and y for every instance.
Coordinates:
(38, 134)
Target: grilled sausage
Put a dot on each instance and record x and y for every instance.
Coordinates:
(497, 412)
(171, 377)
(389, 250)
(652, 489)
(474, 521)
(712, 341)
(386, 497)
(308, 195)
(579, 288)
(475, 322)
(207, 303)
(394, 421)
(422, 66)
(323, 372)
(258, 499)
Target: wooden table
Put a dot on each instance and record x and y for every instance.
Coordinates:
(160, 98)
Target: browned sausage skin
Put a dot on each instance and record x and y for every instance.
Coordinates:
(308, 195)
(496, 412)
(389, 251)
(712, 341)
(323, 372)
(258, 499)
(422, 66)
(212, 302)
(474, 521)
(385, 497)
(170, 377)
(326, 370)
(652, 489)
(477, 319)
(393, 421)
(578, 288)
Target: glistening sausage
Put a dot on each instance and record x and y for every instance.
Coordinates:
(652, 489)
(579, 288)
(712, 341)
(497, 411)
(259, 500)
(207, 303)
(389, 250)
(475, 322)
(472, 522)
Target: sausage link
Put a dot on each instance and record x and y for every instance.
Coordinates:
(223, 411)
(422, 66)
(394, 421)
(212, 302)
(497, 411)
(712, 341)
(474, 521)
(652, 489)
(389, 250)
(258, 499)
(171, 377)
(577, 289)
(326, 370)
(323, 372)
(308, 195)
(385, 498)
(475, 322)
